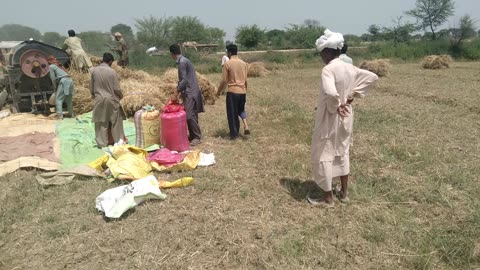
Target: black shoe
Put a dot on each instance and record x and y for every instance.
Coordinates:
(195, 142)
(233, 138)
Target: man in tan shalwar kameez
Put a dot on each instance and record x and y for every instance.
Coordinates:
(107, 111)
(121, 49)
(332, 135)
(79, 59)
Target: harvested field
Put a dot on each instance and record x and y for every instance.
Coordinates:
(414, 190)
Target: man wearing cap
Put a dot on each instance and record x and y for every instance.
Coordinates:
(73, 46)
(332, 135)
(63, 84)
(121, 49)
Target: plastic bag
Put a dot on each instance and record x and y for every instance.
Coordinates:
(165, 157)
(189, 163)
(116, 201)
(172, 107)
(129, 163)
(179, 183)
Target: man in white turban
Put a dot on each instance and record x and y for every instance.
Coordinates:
(332, 135)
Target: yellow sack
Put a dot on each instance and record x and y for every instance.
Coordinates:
(182, 182)
(147, 127)
(119, 150)
(100, 164)
(190, 162)
(129, 163)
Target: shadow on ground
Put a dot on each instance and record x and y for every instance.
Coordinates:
(299, 189)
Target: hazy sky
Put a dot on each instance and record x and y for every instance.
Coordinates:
(347, 16)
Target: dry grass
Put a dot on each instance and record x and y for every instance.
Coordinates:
(437, 61)
(414, 190)
(257, 69)
(381, 67)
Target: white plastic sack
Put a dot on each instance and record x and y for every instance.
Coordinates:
(116, 201)
(206, 160)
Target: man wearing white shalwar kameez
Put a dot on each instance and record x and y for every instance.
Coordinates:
(332, 135)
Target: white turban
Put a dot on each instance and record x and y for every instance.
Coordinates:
(330, 40)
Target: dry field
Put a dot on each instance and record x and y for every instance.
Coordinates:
(415, 190)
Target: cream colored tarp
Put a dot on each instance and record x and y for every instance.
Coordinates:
(24, 123)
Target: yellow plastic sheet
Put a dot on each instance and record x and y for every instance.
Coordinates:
(180, 183)
(100, 164)
(125, 163)
(190, 162)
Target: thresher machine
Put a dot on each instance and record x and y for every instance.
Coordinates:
(26, 74)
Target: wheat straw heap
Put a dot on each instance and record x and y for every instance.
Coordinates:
(437, 61)
(257, 69)
(381, 67)
(139, 89)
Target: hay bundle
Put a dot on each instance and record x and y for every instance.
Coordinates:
(139, 89)
(82, 100)
(257, 69)
(95, 60)
(209, 91)
(381, 67)
(170, 76)
(437, 61)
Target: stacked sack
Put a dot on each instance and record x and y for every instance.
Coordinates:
(147, 126)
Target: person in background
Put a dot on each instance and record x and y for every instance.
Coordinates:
(234, 76)
(121, 49)
(63, 84)
(332, 134)
(343, 55)
(107, 112)
(191, 94)
(243, 115)
(79, 59)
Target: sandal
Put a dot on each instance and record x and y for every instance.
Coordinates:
(320, 203)
(339, 194)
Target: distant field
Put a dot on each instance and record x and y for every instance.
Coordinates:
(415, 190)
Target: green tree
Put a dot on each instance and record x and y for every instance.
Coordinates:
(250, 36)
(153, 31)
(188, 28)
(276, 38)
(374, 30)
(465, 30)
(125, 30)
(53, 38)
(17, 32)
(303, 36)
(95, 42)
(215, 35)
(399, 32)
(432, 13)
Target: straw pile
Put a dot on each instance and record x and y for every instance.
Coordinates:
(209, 91)
(437, 61)
(381, 67)
(95, 60)
(257, 69)
(139, 89)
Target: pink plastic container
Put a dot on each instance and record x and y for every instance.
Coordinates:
(174, 131)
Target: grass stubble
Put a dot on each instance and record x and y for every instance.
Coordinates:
(414, 188)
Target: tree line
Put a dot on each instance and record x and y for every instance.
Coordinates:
(429, 15)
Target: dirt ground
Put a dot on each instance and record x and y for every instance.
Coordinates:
(415, 190)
